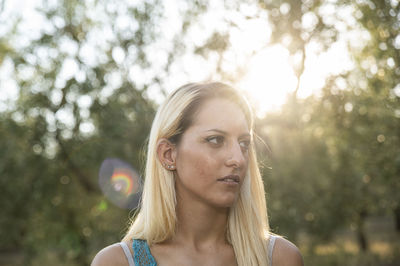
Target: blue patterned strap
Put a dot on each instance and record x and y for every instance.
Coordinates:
(141, 253)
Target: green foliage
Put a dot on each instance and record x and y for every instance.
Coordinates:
(335, 156)
(61, 129)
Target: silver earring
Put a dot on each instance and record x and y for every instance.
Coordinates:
(169, 167)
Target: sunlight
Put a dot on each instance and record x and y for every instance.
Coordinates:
(270, 76)
(269, 79)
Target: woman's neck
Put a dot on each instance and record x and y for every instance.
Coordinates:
(200, 225)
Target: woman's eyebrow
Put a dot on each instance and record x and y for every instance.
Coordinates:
(226, 133)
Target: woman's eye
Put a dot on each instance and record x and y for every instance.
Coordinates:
(215, 139)
(244, 144)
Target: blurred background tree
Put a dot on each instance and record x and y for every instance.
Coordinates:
(85, 85)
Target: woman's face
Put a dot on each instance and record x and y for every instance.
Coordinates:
(212, 155)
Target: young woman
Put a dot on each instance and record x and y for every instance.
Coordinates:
(203, 200)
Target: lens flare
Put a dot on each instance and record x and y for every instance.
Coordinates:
(120, 183)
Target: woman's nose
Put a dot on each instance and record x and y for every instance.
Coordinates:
(235, 156)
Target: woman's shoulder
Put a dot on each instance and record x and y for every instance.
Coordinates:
(111, 255)
(285, 253)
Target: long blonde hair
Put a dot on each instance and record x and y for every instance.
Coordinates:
(248, 228)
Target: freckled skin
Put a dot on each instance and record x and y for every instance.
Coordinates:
(201, 161)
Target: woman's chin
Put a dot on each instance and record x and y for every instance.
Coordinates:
(227, 202)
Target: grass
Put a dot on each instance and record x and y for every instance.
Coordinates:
(343, 249)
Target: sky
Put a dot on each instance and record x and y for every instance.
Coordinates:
(268, 76)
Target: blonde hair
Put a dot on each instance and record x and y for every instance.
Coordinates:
(248, 228)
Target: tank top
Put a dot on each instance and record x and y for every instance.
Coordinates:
(142, 255)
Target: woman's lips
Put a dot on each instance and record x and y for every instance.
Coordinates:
(230, 179)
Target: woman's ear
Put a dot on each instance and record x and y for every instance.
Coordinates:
(166, 152)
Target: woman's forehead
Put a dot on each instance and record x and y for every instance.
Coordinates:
(220, 114)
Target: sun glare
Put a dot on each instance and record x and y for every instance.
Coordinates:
(270, 75)
(269, 79)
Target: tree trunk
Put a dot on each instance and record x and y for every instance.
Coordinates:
(361, 236)
(397, 218)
